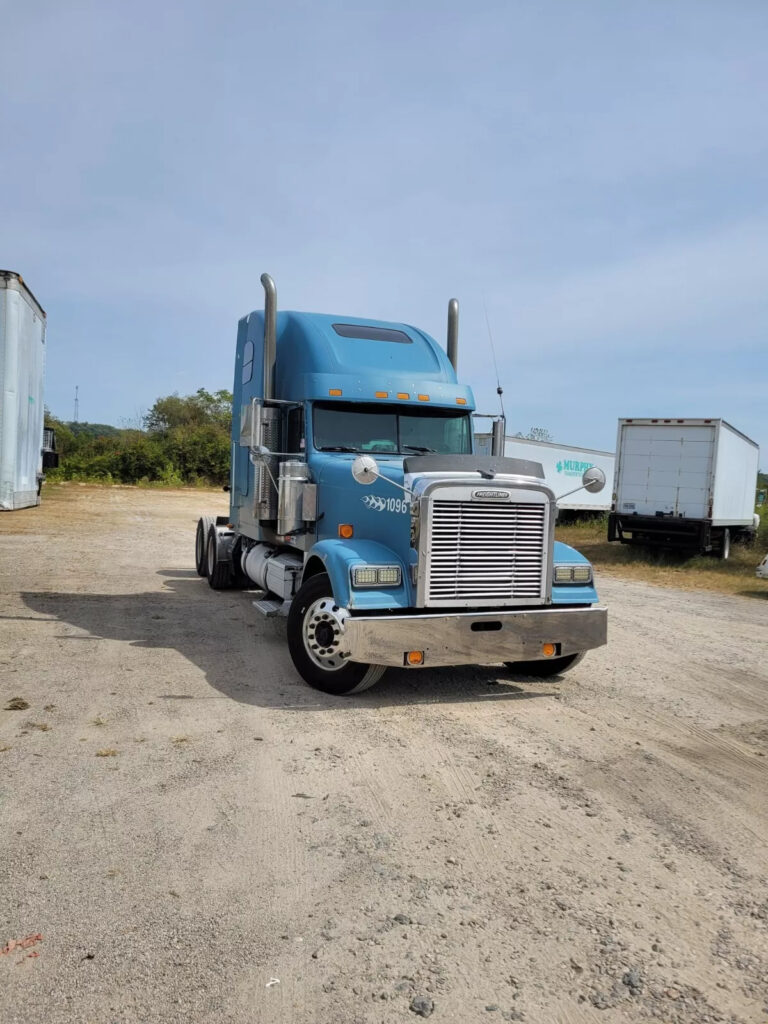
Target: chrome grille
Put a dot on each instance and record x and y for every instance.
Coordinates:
(486, 551)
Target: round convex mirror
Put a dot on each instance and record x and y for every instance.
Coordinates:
(365, 469)
(593, 479)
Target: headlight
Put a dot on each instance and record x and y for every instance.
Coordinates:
(376, 576)
(580, 573)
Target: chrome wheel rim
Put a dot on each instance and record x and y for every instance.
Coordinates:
(323, 634)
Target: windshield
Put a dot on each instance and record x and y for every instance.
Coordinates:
(340, 427)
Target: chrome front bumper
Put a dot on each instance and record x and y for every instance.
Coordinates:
(472, 639)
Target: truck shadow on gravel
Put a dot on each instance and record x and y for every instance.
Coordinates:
(244, 656)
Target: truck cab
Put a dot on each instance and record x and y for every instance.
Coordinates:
(360, 509)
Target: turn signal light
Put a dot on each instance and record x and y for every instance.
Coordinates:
(346, 530)
(548, 650)
(414, 658)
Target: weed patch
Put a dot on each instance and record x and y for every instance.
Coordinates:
(735, 575)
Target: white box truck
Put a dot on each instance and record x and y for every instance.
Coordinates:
(683, 483)
(22, 363)
(563, 466)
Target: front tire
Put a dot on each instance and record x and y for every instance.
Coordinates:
(313, 639)
(546, 668)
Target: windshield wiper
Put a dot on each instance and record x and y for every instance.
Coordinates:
(418, 448)
(337, 448)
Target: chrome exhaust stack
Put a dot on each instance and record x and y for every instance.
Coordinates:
(497, 437)
(270, 335)
(453, 333)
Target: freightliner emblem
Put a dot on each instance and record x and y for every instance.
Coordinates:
(496, 495)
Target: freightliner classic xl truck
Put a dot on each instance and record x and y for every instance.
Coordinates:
(359, 509)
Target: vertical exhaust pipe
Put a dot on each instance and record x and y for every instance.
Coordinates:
(497, 438)
(270, 334)
(453, 333)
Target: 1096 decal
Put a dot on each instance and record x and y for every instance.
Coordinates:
(378, 504)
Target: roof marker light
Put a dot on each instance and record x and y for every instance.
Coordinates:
(382, 394)
(403, 394)
(334, 392)
(423, 398)
(461, 401)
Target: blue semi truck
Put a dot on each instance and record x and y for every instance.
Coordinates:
(360, 511)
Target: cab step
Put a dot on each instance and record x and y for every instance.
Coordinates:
(270, 607)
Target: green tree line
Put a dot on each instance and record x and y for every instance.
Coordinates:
(183, 440)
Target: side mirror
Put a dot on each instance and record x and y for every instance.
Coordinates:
(593, 480)
(365, 469)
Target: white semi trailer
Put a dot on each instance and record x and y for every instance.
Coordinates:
(563, 466)
(683, 483)
(22, 363)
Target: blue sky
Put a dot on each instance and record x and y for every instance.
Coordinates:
(593, 173)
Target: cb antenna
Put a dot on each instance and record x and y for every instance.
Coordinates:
(77, 402)
(499, 388)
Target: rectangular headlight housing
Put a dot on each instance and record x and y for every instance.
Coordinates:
(580, 573)
(376, 576)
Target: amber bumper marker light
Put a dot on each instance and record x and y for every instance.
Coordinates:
(548, 650)
(413, 658)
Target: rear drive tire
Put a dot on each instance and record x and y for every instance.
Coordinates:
(312, 637)
(204, 523)
(219, 570)
(545, 668)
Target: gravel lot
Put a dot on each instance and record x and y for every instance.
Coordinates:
(191, 834)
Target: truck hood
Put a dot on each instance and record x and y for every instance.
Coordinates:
(379, 512)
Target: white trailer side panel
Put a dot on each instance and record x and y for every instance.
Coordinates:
(22, 359)
(736, 466)
(665, 468)
(563, 467)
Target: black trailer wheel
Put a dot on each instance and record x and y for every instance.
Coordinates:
(314, 643)
(545, 668)
(204, 523)
(219, 570)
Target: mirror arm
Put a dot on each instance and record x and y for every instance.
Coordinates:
(568, 493)
(386, 480)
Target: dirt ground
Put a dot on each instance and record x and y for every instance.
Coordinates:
(190, 834)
